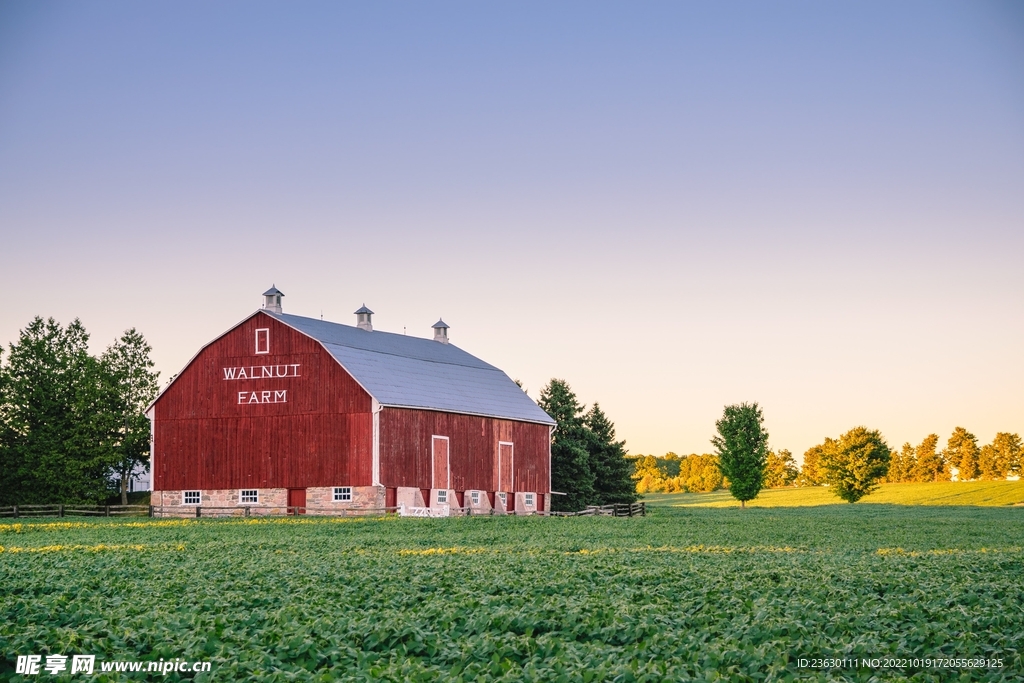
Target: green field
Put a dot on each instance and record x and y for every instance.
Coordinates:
(939, 493)
(684, 593)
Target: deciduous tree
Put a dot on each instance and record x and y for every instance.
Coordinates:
(742, 449)
(810, 472)
(780, 469)
(855, 463)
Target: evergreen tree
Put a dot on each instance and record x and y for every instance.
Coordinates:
(742, 449)
(962, 452)
(1006, 454)
(132, 384)
(611, 470)
(855, 463)
(902, 465)
(55, 445)
(929, 465)
(571, 472)
(988, 467)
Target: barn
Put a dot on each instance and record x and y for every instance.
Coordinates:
(283, 410)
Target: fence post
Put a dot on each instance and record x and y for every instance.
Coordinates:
(15, 511)
(106, 512)
(150, 510)
(199, 511)
(247, 509)
(60, 511)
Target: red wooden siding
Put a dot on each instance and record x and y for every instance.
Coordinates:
(405, 450)
(318, 433)
(505, 462)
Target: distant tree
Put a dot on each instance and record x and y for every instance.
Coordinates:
(902, 465)
(56, 444)
(1001, 458)
(780, 469)
(930, 465)
(647, 475)
(571, 472)
(810, 472)
(611, 470)
(855, 463)
(699, 474)
(962, 452)
(742, 449)
(988, 467)
(129, 377)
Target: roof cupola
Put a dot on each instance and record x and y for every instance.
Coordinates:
(272, 300)
(441, 332)
(363, 318)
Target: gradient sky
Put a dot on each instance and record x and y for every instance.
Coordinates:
(673, 206)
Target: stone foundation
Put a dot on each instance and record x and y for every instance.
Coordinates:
(228, 502)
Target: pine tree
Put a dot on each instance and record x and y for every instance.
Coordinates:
(902, 465)
(56, 447)
(742, 449)
(929, 464)
(571, 471)
(611, 470)
(132, 383)
(1006, 453)
(962, 452)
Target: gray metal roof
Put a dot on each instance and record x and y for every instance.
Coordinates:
(273, 290)
(364, 309)
(412, 372)
(440, 324)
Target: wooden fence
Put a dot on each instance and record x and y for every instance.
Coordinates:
(74, 510)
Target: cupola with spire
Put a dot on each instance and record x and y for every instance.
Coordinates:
(272, 300)
(363, 318)
(441, 331)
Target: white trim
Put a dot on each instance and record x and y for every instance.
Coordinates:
(474, 497)
(151, 414)
(266, 338)
(185, 501)
(447, 460)
(341, 491)
(513, 469)
(375, 407)
(530, 500)
(241, 495)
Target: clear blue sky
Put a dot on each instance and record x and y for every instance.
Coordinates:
(673, 206)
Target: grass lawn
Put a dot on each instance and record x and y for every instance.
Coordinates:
(938, 493)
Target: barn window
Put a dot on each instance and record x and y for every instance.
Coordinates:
(263, 340)
(249, 496)
(442, 495)
(192, 497)
(529, 499)
(342, 494)
(504, 497)
(476, 497)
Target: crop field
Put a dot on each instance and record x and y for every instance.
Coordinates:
(686, 593)
(935, 493)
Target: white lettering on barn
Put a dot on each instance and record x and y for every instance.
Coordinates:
(262, 371)
(274, 396)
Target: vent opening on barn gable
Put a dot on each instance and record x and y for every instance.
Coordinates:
(272, 299)
(363, 318)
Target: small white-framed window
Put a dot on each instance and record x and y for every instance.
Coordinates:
(528, 499)
(249, 496)
(504, 497)
(342, 494)
(442, 495)
(475, 496)
(191, 498)
(263, 340)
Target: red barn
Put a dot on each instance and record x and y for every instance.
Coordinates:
(285, 410)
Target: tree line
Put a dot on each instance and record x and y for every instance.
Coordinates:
(72, 424)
